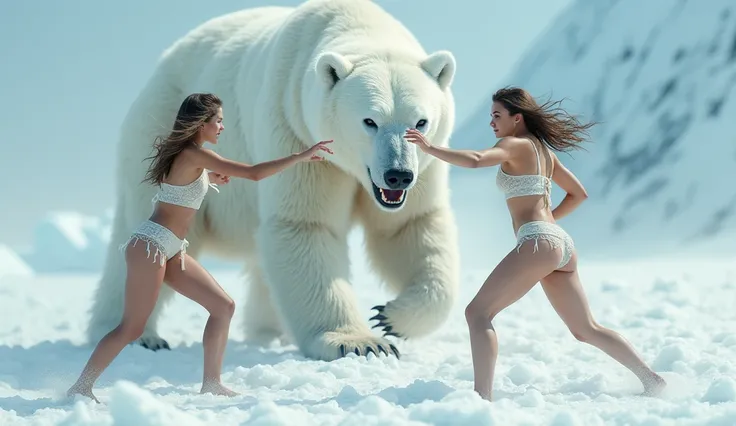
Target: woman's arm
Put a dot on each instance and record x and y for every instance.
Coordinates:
(460, 157)
(576, 193)
(210, 160)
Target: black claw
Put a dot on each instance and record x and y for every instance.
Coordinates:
(379, 317)
(388, 329)
(379, 308)
(382, 349)
(155, 347)
(391, 333)
(357, 351)
(342, 350)
(369, 350)
(380, 324)
(396, 351)
(152, 348)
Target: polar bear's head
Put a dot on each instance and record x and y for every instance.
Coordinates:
(366, 105)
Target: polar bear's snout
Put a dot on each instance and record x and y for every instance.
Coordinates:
(397, 183)
(393, 168)
(398, 178)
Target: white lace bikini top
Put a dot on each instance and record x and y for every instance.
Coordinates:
(189, 195)
(522, 185)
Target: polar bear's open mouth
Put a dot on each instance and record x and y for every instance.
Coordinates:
(388, 198)
(391, 198)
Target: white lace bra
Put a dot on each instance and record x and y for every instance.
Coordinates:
(522, 185)
(189, 195)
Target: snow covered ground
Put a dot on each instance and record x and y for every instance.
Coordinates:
(678, 314)
(11, 264)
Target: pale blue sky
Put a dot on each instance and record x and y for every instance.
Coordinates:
(70, 69)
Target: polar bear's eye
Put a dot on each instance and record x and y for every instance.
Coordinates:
(370, 123)
(421, 123)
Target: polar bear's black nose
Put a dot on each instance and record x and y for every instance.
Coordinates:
(398, 179)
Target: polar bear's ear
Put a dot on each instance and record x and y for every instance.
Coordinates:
(441, 66)
(333, 67)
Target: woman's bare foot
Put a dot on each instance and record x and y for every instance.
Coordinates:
(486, 396)
(654, 385)
(217, 388)
(82, 390)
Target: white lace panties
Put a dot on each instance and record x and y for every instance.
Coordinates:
(551, 232)
(165, 242)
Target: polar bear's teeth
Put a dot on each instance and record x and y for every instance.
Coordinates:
(386, 200)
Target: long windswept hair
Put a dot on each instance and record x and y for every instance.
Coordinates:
(194, 111)
(548, 122)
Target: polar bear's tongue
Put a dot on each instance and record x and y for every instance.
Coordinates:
(392, 194)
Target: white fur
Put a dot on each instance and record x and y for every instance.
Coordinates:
(290, 77)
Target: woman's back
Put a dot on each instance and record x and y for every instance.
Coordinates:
(526, 181)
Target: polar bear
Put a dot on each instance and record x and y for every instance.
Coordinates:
(344, 70)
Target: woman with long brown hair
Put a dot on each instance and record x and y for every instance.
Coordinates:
(180, 168)
(544, 252)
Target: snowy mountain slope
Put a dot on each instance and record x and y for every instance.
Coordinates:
(660, 77)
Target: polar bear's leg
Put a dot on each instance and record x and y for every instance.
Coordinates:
(420, 263)
(302, 239)
(307, 265)
(415, 251)
(107, 304)
(262, 323)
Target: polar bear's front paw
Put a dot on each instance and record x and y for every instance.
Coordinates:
(384, 322)
(407, 318)
(153, 342)
(333, 345)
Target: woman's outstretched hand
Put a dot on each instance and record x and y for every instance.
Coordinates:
(416, 137)
(311, 153)
(218, 178)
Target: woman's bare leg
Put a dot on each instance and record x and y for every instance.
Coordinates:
(197, 284)
(514, 276)
(566, 294)
(142, 286)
